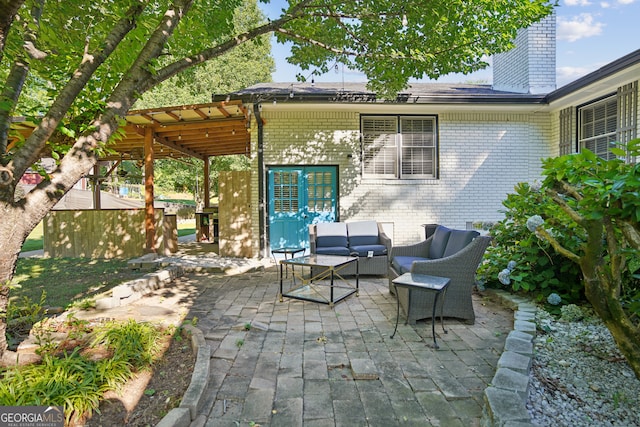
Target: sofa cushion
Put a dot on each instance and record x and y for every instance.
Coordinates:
(331, 234)
(333, 250)
(458, 240)
(363, 250)
(402, 264)
(362, 233)
(439, 242)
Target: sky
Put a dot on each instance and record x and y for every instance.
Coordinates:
(590, 34)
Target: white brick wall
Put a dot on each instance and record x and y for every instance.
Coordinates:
(482, 157)
(531, 66)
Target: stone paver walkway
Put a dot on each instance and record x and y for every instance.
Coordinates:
(305, 364)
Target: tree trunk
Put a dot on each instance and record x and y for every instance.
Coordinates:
(603, 296)
(12, 236)
(21, 217)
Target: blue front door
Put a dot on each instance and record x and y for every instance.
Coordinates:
(299, 196)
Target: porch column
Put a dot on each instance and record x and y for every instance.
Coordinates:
(206, 182)
(149, 217)
(96, 187)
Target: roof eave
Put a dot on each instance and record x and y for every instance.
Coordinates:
(370, 98)
(603, 73)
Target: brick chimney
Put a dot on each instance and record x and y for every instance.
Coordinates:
(531, 66)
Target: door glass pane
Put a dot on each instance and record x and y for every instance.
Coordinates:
(319, 190)
(285, 192)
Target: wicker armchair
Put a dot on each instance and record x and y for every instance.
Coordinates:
(455, 254)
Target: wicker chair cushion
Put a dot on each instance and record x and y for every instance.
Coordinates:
(331, 234)
(458, 240)
(363, 250)
(333, 250)
(362, 233)
(439, 242)
(402, 264)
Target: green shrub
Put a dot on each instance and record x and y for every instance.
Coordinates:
(22, 314)
(539, 270)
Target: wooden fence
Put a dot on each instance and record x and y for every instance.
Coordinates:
(235, 214)
(108, 233)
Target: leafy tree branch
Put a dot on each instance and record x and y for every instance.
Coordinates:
(220, 49)
(557, 245)
(30, 151)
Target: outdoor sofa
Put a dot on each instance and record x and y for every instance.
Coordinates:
(364, 239)
(450, 253)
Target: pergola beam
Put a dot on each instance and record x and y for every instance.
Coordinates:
(163, 141)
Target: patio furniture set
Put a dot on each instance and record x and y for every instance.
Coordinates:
(437, 273)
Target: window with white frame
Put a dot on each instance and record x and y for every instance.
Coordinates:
(399, 147)
(598, 126)
(601, 123)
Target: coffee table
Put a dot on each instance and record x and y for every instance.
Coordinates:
(414, 282)
(314, 287)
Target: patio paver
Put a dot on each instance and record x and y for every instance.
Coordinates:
(297, 368)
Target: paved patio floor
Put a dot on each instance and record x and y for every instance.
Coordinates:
(302, 363)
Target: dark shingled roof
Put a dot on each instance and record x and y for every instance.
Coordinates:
(416, 93)
(624, 68)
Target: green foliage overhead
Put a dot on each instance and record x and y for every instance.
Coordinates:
(243, 66)
(392, 41)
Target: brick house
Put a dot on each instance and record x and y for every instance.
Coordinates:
(438, 153)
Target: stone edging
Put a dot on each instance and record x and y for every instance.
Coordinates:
(186, 414)
(506, 397)
(133, 290)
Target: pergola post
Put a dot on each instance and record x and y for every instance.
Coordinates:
(206, 182)
(96, 187)
(149, 216)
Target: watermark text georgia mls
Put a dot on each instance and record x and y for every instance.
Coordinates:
(31, 416)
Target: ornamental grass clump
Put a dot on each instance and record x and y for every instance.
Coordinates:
(75, 379)
(131, 341)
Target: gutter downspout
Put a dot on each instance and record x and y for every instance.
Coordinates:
(257, 110)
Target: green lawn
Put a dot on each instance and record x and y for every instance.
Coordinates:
(34, 241)
(66, 280)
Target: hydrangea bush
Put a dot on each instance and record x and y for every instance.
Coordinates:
(522, 262)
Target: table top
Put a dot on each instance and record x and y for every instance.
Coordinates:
(288, 250)
(320, 260)
(422, 281)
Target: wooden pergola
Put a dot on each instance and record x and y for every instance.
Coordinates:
(201, 131)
